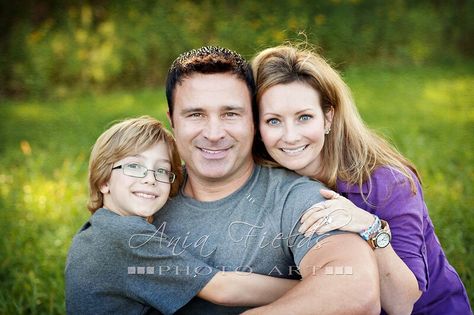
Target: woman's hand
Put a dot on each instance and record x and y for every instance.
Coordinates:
(336, 213)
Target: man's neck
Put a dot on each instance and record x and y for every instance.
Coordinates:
(203, 189)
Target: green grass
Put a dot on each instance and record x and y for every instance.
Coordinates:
(428, 113)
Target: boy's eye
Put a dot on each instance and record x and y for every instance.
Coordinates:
(161, 171)
(134, 166)
(273, 122)
(134, 169)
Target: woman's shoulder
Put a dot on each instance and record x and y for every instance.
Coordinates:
(384, 182)
(382, 175)
(392, 188)
(388, 174)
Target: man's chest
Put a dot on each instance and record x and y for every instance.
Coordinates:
(231, 239)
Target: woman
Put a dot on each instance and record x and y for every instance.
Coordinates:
(308, 123)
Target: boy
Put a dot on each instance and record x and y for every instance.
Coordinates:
(120, 263)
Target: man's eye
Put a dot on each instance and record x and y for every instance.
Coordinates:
(231, 115)
(195, 115)
(273, 122)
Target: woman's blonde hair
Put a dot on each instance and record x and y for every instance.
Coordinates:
(128, 137)
(351, 150)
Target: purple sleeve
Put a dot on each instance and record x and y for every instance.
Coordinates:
(394, 201)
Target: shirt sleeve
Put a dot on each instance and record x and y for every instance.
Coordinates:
(160, 273)
(300, 198)
(393, 201)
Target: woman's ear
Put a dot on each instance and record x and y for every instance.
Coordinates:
(105, 188)
(328, 116)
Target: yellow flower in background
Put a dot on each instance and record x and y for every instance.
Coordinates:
(320, 19)
(25, 147)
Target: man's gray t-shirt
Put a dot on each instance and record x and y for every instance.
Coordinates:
(120, 265)
(254, 229)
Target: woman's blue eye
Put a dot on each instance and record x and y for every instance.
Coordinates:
(273, 122)
(305, 117)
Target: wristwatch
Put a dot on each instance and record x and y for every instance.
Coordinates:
(382, 237)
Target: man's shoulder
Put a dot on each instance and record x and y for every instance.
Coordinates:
(283, 178)
(284, 187)
(266, 185)
(382, 177)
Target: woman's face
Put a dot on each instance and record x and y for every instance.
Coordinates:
(292, 125)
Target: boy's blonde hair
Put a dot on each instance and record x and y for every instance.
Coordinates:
(128, 137)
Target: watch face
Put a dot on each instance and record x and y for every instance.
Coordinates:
(382, 240)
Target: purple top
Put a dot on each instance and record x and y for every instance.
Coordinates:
(413, 239)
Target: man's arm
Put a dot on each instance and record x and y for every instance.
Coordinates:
(244, 289)
(324, 290)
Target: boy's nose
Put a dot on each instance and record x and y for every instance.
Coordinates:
(149, 177)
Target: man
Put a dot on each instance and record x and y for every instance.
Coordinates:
(236, 215)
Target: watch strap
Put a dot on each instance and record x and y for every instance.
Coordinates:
(371, 230)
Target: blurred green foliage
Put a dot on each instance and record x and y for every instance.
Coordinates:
(427, 112)
(409, 64)
(53, 47)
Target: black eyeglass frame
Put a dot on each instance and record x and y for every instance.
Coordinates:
(171, 175)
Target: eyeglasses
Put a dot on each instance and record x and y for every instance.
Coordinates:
(140, 171)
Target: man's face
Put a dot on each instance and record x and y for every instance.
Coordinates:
(213, 126)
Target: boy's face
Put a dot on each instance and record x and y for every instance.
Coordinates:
(127, 195)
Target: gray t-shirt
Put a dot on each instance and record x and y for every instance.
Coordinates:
(119, 265)
(254, 229)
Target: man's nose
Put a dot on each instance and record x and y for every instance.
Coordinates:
(214, 129)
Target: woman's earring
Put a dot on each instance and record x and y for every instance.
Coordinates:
(327, 131)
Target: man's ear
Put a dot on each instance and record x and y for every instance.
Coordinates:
(170, 119)
(105, 188)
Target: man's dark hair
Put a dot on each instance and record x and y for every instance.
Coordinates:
(208, 60)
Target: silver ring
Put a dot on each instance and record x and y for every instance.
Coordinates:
(335, 196)
(327, 220)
